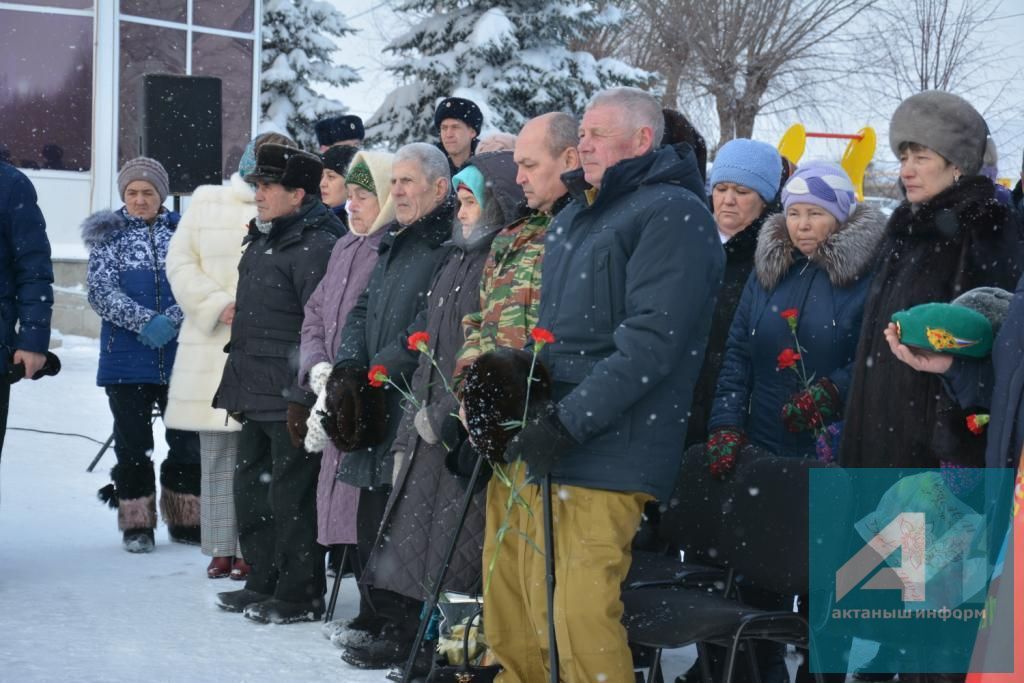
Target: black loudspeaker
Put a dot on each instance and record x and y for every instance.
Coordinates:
(181, 128)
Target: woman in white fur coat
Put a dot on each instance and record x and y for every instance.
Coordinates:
(202, 266)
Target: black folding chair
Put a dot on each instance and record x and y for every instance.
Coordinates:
(754, 525)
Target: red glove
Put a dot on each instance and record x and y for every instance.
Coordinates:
(722, 450)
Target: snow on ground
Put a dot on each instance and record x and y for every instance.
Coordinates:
(75, 606)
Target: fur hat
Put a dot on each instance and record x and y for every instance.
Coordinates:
(679, 129)
(338, 158)
(339, 129)
(944, 123)
(459, 108)
(494, 394)
(357, 414)
(991, 302)
(749, 163)
(287, 166)
(144, 168)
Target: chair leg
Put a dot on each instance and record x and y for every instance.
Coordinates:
(654, 672)
(96, 460)
(704, 658)
(329, 614)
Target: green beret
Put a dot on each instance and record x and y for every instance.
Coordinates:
(945, 328)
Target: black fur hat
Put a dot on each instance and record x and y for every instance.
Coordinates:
(339, 129)
(338, 158)
(494, 395)
(459, 108)
(357, 414)
(288, 166)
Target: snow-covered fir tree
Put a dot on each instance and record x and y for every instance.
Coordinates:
(511, 57)
(298, 50)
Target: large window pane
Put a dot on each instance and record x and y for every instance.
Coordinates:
(66, 4)
(46, 90)
(232, 15)
(144, 50)
(229, 59)
(168, 10)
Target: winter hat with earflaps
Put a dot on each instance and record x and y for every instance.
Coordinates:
(339, 129)
(822, 184)
(372, 172)
(459, 108)
(144, 168)
(944, 123)
(288, 166)
(749, 163)
(965, 327)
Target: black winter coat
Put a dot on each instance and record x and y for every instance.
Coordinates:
(895, 416)
(423, 509)
(276, 275)
(378, 326)
(630, 281)
(739, 262)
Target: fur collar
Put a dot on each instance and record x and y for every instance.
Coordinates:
(845, 255)
(967, 206)
(102, 225)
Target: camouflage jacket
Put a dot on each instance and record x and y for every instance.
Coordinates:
(509, 292)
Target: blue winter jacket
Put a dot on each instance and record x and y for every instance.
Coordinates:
(828, 290)
(128, 287)
(630, 280)
(26, 273)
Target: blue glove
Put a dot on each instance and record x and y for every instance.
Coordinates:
(158, 331)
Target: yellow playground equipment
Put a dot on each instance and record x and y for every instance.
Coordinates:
(858, 154)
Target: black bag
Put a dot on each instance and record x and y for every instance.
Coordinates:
(465, 672)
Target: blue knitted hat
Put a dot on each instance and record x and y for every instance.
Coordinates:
(474, 181)
(822, 184)
(749, 163)
(247, 164)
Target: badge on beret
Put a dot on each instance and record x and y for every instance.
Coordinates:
(945, 328)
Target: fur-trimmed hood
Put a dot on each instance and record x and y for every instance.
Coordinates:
(844, 255)
(101, 225)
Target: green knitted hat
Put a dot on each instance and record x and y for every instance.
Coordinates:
(359, 174)
(945, 328)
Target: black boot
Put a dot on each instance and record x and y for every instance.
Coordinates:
(237, 601)
(179, 501)
(276, 611)
(389, 648)
(133, 495)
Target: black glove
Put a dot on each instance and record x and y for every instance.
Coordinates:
(461, 461)
(50, 368)
(542, 441)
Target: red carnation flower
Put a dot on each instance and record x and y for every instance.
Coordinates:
(542, 336)
(378, 374)
(419, 341)
(789, 313)
(788, 359)
(976, 423)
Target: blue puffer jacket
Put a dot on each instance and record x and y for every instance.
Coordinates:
(630, 281)
(26, 273)
(828, 290)
(128, 287)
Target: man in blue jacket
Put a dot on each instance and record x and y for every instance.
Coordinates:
(631, 271)
(26, 279)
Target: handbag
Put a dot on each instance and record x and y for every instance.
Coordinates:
(465, 672)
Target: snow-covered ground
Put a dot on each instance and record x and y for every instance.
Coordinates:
(75, 606)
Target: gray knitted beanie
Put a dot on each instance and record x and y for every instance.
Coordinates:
(144, 168)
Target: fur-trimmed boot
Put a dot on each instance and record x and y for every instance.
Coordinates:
(133, 495)
(179, 501)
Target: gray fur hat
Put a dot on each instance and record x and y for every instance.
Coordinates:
(944, 123)
(991, 302)
(144, 168)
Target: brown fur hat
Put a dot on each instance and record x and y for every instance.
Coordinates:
(357, 414)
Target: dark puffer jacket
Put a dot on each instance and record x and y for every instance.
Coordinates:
(961, 239)
(378, 326)
(630, 281)
(828, 290)
(128, 287)
(423, 509)
(277, 274)
(739, 262)
(26, 273)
